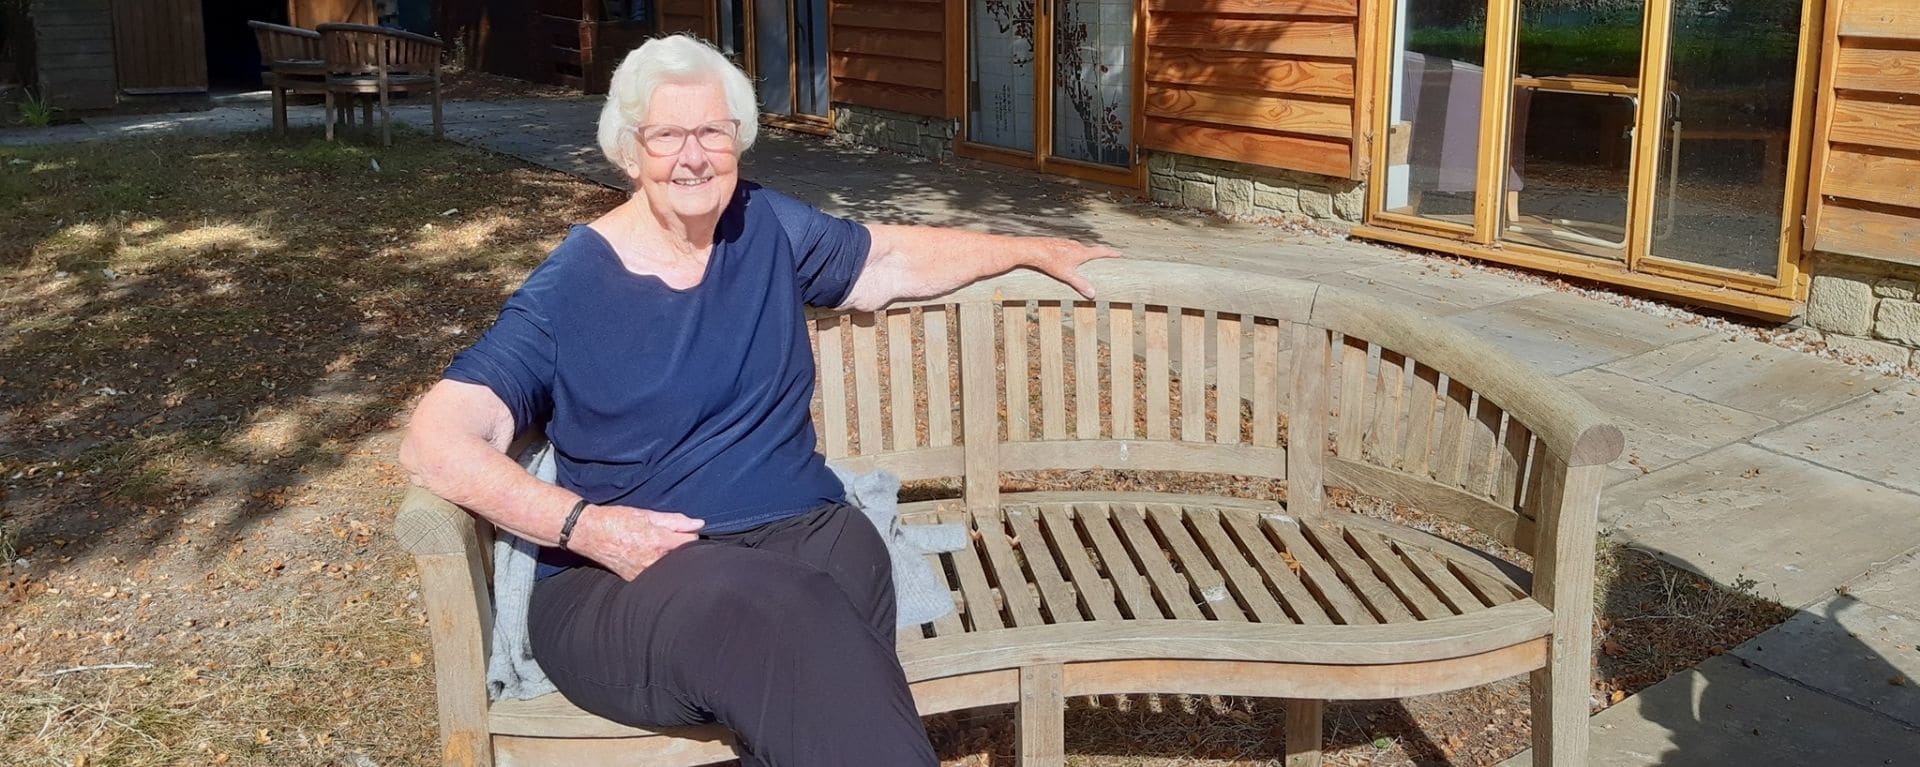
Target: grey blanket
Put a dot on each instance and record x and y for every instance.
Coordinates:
(513, 674)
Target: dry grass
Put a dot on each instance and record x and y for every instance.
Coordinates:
(205, 345)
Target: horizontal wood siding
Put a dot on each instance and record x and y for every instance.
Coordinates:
(1263, 82)
(1866, 200)
(889, 54)
(73, 49)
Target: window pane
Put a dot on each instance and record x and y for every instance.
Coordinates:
(1724, 136)
(1433, 136)
(1093, 81)
(1000, 95)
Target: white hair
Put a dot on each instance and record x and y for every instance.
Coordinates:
(672, 59)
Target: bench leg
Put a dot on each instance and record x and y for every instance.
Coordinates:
(1041, 732)
(1303, 732)
(1560, 693)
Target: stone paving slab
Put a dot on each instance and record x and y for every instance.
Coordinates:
(1796, 528)
(1561, 332)
(1894, 586)
(1759, 378)
(1434, 288)
(1728, 714)
(1851, 650)
(1663, 427)
(1873, 437)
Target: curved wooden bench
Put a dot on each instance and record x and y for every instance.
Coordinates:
(1074, 593)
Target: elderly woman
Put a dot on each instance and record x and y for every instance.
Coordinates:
(701, 563)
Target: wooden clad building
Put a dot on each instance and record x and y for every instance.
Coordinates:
(73, 45)
(1754, 157)
(1750, 158)
(1867, 140)
(1252, 81)
(93, 54)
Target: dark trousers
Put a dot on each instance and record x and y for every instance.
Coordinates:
(783, 634)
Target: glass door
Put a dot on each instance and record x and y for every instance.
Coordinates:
(1092, 81)
(1570, 126)
(1722, 200)
(1437, 80)
(790, 58)
(1653, 143)
(1002, 101)
(1051, 83)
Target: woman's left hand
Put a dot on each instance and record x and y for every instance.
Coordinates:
(1061, 258)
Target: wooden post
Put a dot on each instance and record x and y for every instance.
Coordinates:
(1563, 582)
(1042, 731)
(453, 587)
(979, 407)
(1307, 421)
(1303, 732)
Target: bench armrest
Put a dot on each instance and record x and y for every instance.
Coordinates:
(447, 550)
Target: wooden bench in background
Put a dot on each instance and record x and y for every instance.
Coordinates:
(375, 63)
(1176, 368)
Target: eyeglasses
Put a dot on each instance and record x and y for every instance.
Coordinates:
(668, 140)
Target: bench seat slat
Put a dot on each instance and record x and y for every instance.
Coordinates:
(1014, 588)
(1056, 594)
(1207, 583)
(1273, 566)
(1134, 589)
(1174, 591)
(1096, 592)
(1388, 566)
(1246, 584)
(1436, 573)
(1320, 576)
(1357, 571)
(982, 607)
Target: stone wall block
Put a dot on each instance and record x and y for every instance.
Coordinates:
(1899, 322)
(1841, 304)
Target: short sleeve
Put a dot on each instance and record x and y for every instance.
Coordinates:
(515, 359)
(828, 251)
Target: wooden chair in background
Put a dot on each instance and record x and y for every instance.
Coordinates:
(375, 62)
(294, 64)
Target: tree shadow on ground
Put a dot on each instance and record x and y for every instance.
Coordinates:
(1747, 700)
(194, 326)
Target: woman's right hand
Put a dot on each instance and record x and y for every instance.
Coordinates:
(628, 540)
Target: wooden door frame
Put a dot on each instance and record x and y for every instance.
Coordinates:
(818, 125)
(1042, 160)
(1775, 297)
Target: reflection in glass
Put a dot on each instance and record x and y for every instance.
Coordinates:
(1000, 74)
(1722, 185)
(773, 58)
(1575, 99)
(733, 31)
(1433, 124)
(811, 41)
(1093, 81)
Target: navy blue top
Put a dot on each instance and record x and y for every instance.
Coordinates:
(692, 401)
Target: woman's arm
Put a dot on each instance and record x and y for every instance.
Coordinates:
(456, 448)
(907, 262)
